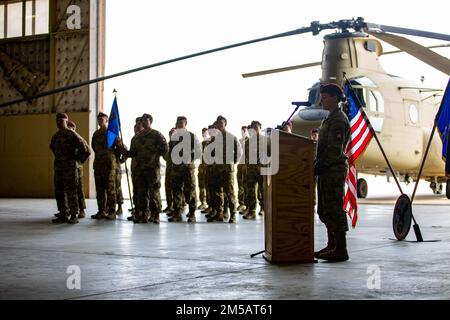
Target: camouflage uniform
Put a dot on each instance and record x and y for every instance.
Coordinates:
(242, 177)
(183, 179)
(331, 169)
(80, 188)
(81, 199)
(119, 194)
(254, 180)
(202, 179)
(222, 180)
(68, 147)
(105, 175)
(133, 177)
(168, 183)
(146, 148)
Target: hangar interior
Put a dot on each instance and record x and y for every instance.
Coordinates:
(48, 44)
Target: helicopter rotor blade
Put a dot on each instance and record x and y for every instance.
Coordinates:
(318, 63)
(418, 51)
(412, 32)
(315, 28)
(271, 71)
(445, 45)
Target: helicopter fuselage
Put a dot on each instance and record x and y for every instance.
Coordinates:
(401, 111)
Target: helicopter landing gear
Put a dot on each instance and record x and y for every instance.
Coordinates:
(362, 188)
(436, 187)
(447, 189)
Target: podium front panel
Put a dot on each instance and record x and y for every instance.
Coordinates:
(289, 202)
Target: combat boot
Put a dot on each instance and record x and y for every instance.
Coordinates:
(217, 217)
(60, 219)
(73, 219)
(241, 208)
(146, 217)
(250, 216)
(232, 218)
(226, 215)
(155, 219)
(176, 217)
(119, 210)
(99, 215)
(202, 207)
(131, 218)
(82, 214)
(261, 212)
(207, 210)
(137, 217)
(111, 216)
(211, 214)
(191, 217)
(244, 212)
(330, 245)
(339, 253)
(168, 209)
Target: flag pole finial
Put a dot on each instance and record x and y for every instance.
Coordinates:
(114, 91)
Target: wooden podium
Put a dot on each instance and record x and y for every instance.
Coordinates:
(289, 202)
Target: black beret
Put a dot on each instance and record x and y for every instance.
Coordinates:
(332, 89)
(62, 116)
(147, 116)
(102, 115)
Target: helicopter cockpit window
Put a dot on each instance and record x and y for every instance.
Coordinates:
(314, 92)
(370, 46)
(365, 82)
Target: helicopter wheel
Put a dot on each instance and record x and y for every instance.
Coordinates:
(362, 188)
(447, 189)
(436, 187)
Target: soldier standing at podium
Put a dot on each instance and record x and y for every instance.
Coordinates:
(331, 168)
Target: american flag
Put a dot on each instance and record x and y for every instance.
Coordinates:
(359, 139)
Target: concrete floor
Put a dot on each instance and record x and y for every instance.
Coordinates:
(122, 260)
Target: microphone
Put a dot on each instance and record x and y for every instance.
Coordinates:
(302, 103)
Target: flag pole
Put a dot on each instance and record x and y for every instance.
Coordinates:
(372, 130)
(436, 119)
(423, 161)
(416, 226)
(126, 167)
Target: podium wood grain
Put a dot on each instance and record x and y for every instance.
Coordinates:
(289, 202)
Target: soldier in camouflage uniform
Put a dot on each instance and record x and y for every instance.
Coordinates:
(209, 167)
(222, 175)
(242, 172)
(147, 148)
(104, 171)
(168, 179)
(254, 177)
(80, 189)
(183, 170)
(202, 172)
(119, 194)
(331, 168)
(68, 148)
(138, 129)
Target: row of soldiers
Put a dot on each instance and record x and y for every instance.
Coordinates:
(216, 180)
(71, 151)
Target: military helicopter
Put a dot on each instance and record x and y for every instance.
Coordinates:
(401, 111)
